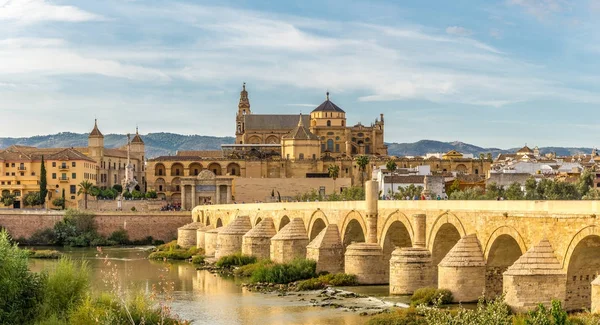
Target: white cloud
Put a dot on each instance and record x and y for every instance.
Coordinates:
(458, 31)
(542, 8)
(29, 11)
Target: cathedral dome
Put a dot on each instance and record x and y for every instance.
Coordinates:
(328, 106)
(95, 131)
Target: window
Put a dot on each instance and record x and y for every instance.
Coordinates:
(12, 165)
(22, 174)
(12, 174)
(195, 172)
(314, 156)
(337, 147)
(18, 182)
(73, 164)
(346, 170)
(177, 188)
(330, 145)
(160, 172)
(63, 176)
(176, 172)
(53, 175)
(115, 179)
(54, 164)
(322, 147)
(73, 175)
(301, 156)
(32, 173)
(73, 189)
(72, 197)
(328, 123)
(342, 122)
(160, 188)
(476, 171)
(17, 193)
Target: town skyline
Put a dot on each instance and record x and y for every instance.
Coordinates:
(496, 74)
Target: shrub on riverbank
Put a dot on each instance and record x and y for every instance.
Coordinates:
(44, 254)
(172, 251)
(402, 316)
(198, 259)
(338, 279)
(298, 269)
(235, 260)
(62, 296)
(429, 296)
(246, 271)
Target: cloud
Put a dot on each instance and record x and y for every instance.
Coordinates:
(458, 31)
(495, 33)
(30, 11)
(542, 8)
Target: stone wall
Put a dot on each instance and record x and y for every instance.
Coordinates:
(259, 189)
(159, 225)
(126, 205)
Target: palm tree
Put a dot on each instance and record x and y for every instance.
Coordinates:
(85, 188)
(334, 172)
(362, 161)
(391, 167)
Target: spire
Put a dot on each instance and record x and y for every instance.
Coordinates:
(137, 138)
(327, 97)
(95, 131)
(244, 101)
(300, 121)
(128, 146)
(136, 130)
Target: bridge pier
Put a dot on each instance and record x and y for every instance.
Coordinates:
(200, 236)
(327, 250)
(536, 277)
(186, 235)
(411, 268)
(290, 242)
(462, 271)
(229, 240)
(210, 241)
(595, 295)
(257, 242)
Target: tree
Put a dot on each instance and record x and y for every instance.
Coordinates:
(151, 195)
(334, 172)
(85, 188)
(481, 156)
(585, 182)
(95, 192)
(391, 167)
(514, 192)
(32, 199)
(59, 202)
(43, 183)
(362, 161)
(8, 199)
(493, 191)
(531, 189)
(489, 156)
(64, 200)
(454, 187)
(472, 193)
(118, 188)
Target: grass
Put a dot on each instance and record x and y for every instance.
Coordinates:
(428, 296)
(246, 271)
(338, 279)
(402, 316)
(44, 254)
(198, 259)
(235, 260)
(172, 251)
(167, 246)
(298, 269)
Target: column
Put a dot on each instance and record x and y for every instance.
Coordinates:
(228, 194)
(419, 221)
(183, 207)
(218, 198)
(194, 203)
(372, 197)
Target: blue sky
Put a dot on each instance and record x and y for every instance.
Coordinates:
(495, 73)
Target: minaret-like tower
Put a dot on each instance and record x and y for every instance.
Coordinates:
(243, 110)
(96, 141)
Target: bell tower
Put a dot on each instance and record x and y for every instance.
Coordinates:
(243, 110)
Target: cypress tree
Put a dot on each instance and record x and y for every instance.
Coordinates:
(43, 183)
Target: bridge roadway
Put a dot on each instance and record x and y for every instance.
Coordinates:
(505, 229)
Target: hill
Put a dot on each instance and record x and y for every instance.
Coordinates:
(159, 144)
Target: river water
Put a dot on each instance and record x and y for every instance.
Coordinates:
(205, 298)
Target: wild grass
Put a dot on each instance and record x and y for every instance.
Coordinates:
(298, 269)
(337, 279)
(235, 260)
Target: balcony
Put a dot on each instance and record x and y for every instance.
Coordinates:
(63, 179)
(21, 168)
(63, 167)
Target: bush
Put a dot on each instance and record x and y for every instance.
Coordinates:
(21, 291)
(168, 246)
(66, 287)
(198, 259)
(42, 237)
(403, 316)
(175, 254)
(247, 270)
(428, 296)
(151, 195)
(44, 254)
(338, 279)
(121, 237)
(235, 260)
(59, 202)
(298, 269)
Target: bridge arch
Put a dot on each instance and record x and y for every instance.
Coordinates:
(502, 249)
(219, 223)
(582, 263)
(354, 228)
(282, 222)
(318, 221)
(446, 231)
(397, 232)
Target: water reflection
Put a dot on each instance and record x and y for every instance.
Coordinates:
(200, 296)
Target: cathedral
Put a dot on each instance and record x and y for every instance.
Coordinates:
(322, 133)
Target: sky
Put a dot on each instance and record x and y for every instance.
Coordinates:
(494, 73)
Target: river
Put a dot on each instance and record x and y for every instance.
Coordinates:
(205, 298)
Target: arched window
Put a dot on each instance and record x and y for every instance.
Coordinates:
(342, 122)
(330, 145)
(328, 123)
(301, 156)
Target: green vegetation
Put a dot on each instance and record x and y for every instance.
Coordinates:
(238, 259)
(43, 183)
(32, 199)
(62, 296)
(401, 316)
(120, 237)
(246, 271)
(7, 198)
(411, 191)
(44, 254)
(198, 259)
(362, 162)
(59, 202)
(172, 251)
(338, 279)
(354, 193)
(429, 296)
(151, 195)
(85, 187)
(298, 269)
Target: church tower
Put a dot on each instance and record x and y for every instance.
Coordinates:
(96, 141)
(243, 110)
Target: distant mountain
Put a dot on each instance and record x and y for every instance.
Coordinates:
(159, 144)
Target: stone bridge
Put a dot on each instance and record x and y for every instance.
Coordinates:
(465, 246)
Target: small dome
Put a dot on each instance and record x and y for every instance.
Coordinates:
(240, 226)
(467, 252)
(264, 229)
(328, 106)
(95, 131)
(293, 230)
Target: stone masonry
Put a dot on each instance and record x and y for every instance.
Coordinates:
(327, 250)
(462, 271)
